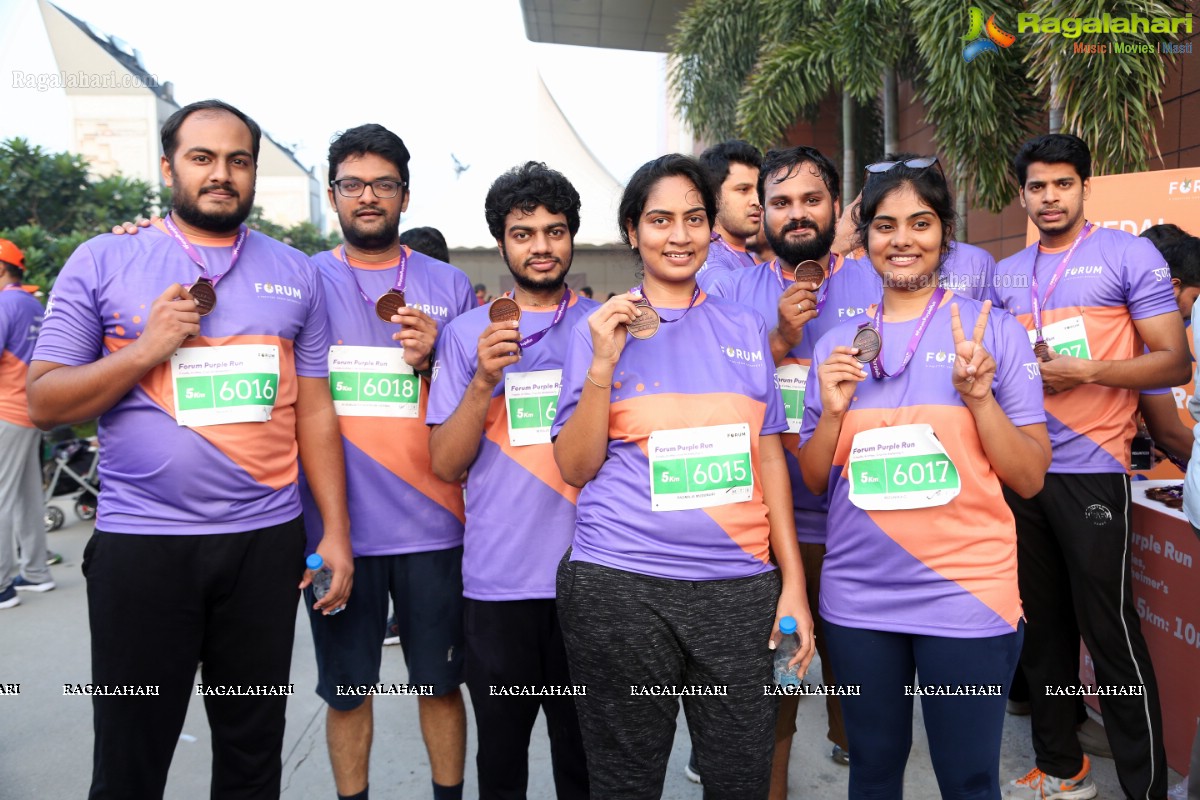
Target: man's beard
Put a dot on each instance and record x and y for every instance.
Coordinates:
(794, 253)
(546, 283)
(191, 213)
(369, 242)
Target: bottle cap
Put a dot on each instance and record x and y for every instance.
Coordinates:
(316, 562)
(786, 625)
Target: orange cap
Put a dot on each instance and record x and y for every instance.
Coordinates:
(11, 253)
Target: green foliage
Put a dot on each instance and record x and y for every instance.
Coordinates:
(773, 61)
(983, 110)
(1107, 100)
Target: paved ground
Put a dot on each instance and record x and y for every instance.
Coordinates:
(46, 738)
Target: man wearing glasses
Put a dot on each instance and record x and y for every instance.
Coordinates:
(387, 305)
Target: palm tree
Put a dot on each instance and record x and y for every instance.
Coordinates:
(752, 67)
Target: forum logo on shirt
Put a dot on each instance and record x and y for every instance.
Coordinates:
(278, 291)
(984, 37)
(743, 357)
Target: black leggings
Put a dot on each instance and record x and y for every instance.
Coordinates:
(963, 729)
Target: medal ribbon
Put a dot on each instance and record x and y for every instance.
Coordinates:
(195, 256)
(641, 292)
(559, 313)
(1035, 303)
(877, 369)
(401, 274)
(822, 290)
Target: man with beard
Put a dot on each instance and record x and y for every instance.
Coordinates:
(1104, 325)
(732, 168)
(387, 305)
(806, 289)
(202, 348)
(493, 401)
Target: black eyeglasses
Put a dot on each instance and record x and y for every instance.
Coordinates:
(383, 189)
(921, 162)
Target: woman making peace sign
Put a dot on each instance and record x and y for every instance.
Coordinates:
(913, 429)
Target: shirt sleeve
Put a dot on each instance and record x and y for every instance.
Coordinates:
(451, 376)
(812, 389)
(1147, 280)
(1017, 384)
(775, 418)
(574, 373)
(72, 330)
(312, 342)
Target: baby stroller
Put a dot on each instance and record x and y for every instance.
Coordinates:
(70, 470)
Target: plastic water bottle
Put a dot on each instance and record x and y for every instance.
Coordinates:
(788, 647)
(323, 578)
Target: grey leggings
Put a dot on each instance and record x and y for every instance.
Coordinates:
(631, 637)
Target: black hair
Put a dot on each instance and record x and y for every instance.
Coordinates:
(13, 271)
(1054, 148)
(428, 241)
(789, 160)
(170, 129)
(587, 291)
(929, 184)
(637, 191)
(526, 187)
(716, 160)
(1184, 261)
(370, 138)
(1165, 237)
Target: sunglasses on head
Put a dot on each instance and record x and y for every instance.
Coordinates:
(921, 162)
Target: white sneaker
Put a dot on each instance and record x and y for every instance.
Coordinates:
(1037, 785)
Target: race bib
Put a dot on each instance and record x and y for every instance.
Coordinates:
(1068, 337)
(373, 382)
(532, 401)
(700, 467)
(221, 385)
(792, 379)
(901, 467)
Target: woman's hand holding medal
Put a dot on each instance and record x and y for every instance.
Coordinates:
(608, 327)
(839, 377)
(974, 367)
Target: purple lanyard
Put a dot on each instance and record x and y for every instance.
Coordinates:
(12, 287)
(1037, 304)
(822, 290)
(401, 274)
(559, 313)
(194, 254)
(641, 292)
(877, 369)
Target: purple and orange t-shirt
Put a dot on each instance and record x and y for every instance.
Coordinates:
(397, 505)
(520, 512)
(723, 259)
(160, 477)
(709, 368)
(1113, 279)
(850, 288)
(20, 321)
(949, 570)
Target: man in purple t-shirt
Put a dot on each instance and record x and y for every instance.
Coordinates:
(492, 404)
(200, 346)
(732, 169)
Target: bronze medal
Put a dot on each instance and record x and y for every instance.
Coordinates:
(1041, 350)
(810, 272)
(646, 324)
(205, 295)
(504, 309)
(388, 304)
(868, 343)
